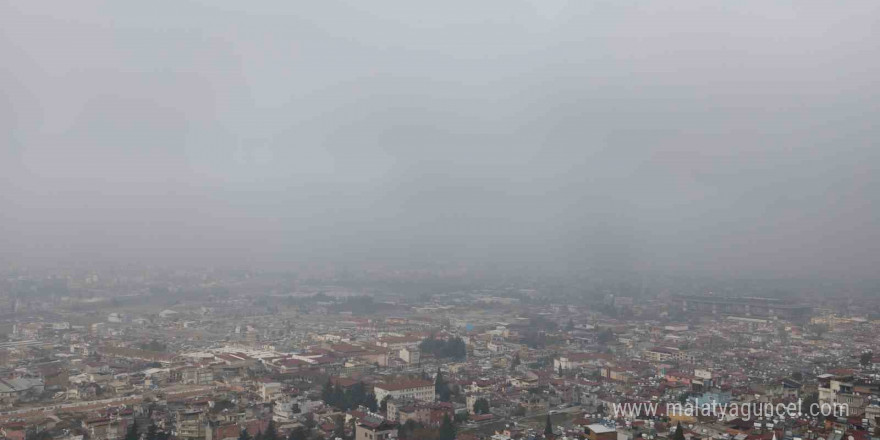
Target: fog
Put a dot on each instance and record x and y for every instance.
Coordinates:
(728, 138)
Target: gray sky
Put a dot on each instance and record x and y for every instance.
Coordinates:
(695, 136)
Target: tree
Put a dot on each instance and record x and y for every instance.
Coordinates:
(481, 406)
(271, 432)
(818, 329)
(310, 424)
(356, 396)
(811, 399)
(454, 348)
(384, 405)
(153, 345)
(337, 398)
(132, 433)
(441, 387)
(679, 432)
(244, 435)
(683, 397)
(298, 433)
(548, 428)
(447, 429)
(605, 336)
(371, 402)
(327, 390)
(407, 430)
(31, 434)
(152, 433)
(515, 362)
(339, 428)
(865, 358)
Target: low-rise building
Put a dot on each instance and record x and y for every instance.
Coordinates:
(406, 390)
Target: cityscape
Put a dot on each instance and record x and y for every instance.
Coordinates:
(213, 355)
(448, 220)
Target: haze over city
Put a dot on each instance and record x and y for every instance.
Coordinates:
(727, 139)
(399, 220)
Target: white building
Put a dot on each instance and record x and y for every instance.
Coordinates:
(405, 390)
(410, 355)
(270, 391)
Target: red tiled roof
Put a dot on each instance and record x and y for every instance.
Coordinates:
(405, 384)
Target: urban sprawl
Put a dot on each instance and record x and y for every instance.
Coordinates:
(214, 355)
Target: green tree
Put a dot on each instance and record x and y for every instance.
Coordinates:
(32, 434)
(132, 433)
(481, 406)
(271, 431)
(310, 423)
(371, 402)
(352, 429)
(865, 358)
(605, 336)
(441, 387)
(818, 329)
(811, 399)
(548, 427)
(298, 433)
(683, 397)
(406, 431)
(447, 429)
(327, 391)
(679, 432)
(339, 428)
(454, 348)
(337, 398)
(153, 345)
(152, 433)
(244, 435)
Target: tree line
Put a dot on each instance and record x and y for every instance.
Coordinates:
(349, 398)
(452, 348)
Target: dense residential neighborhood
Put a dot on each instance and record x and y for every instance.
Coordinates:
(212, 356)
(440, 220)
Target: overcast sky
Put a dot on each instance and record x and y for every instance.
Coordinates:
(734, 138)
